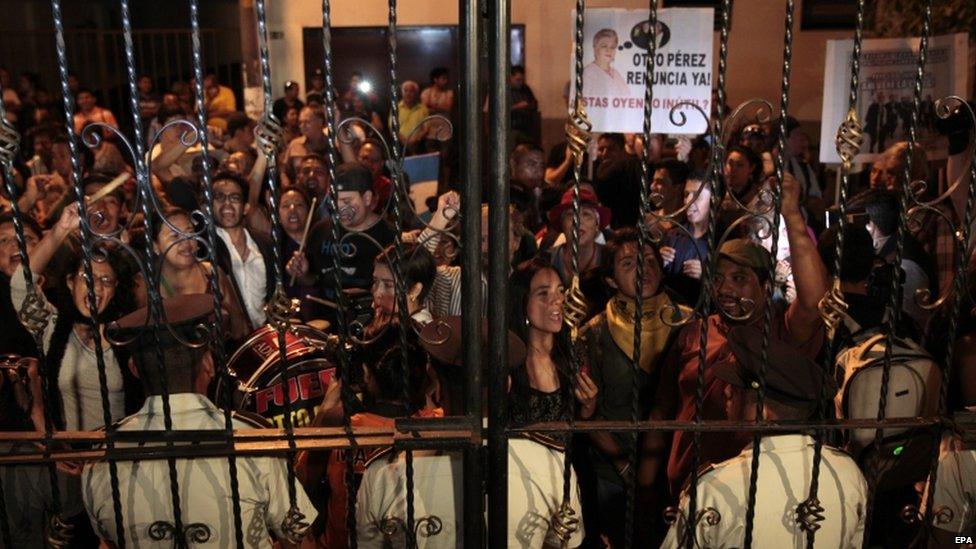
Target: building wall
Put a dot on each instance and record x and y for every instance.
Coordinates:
(755, 49)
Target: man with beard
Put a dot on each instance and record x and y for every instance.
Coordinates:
(793, 386)
(740, 288)
(368, 234)
(371, 157)
(528, 171)
(244, 255)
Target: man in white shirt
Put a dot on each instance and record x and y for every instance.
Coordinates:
(206, 510)
(246, 257)
(793, 387)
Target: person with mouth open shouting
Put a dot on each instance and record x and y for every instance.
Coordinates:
(739, 289)
(182, 272)
(243, 254)
(370, 234)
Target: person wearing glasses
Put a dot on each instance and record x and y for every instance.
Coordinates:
(74, 395)
(243, 254)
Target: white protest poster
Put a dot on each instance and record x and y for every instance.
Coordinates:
(615, 49)
(886, 88)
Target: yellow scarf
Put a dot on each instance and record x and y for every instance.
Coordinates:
(654, 332)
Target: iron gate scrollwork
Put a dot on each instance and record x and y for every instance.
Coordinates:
(484, 450)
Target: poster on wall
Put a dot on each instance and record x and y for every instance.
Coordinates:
(887, 83)
(615, 50)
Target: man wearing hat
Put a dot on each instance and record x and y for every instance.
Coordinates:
(290, 100)
(206, 510)
(594, 218)
(793, 386)
(370, 235)
(740, 286)
(316, 88)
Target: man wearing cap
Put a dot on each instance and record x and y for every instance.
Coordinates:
(740, 287)
(206, 509)
(290, 100)
(316, 88)
(371, 233)
(793, 387)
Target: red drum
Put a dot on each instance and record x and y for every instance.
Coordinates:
(259, 388)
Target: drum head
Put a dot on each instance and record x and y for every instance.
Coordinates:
(259, 388)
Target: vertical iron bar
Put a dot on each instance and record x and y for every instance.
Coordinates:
(217, 332)
(400, 193)
(169, 71)
(784, 103)
(86, 247)
(155, 300)
(564, 521)
(278, 309)
(642, 228)
(498, 268)
(155, 62)
(849, 140)
(471, 275)
(959, 288)
(342, 328)
(9, 147)
(708, 267)
(893, 314)
(4, 520)
(179, 54)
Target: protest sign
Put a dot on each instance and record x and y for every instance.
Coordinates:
(887, 84)
(615, 50)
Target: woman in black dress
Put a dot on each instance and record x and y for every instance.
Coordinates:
(541, 390)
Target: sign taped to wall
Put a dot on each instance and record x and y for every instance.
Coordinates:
(887, 84)
(616, 45)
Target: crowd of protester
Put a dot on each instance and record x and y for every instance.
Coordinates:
(658, 375)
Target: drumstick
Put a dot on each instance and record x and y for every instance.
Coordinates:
(326, 302)
(308, 224)
(109, 187)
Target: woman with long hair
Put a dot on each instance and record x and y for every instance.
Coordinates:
(541, 390)
(181, 272)
(75, 391)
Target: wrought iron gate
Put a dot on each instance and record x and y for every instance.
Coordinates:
(484, 450)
